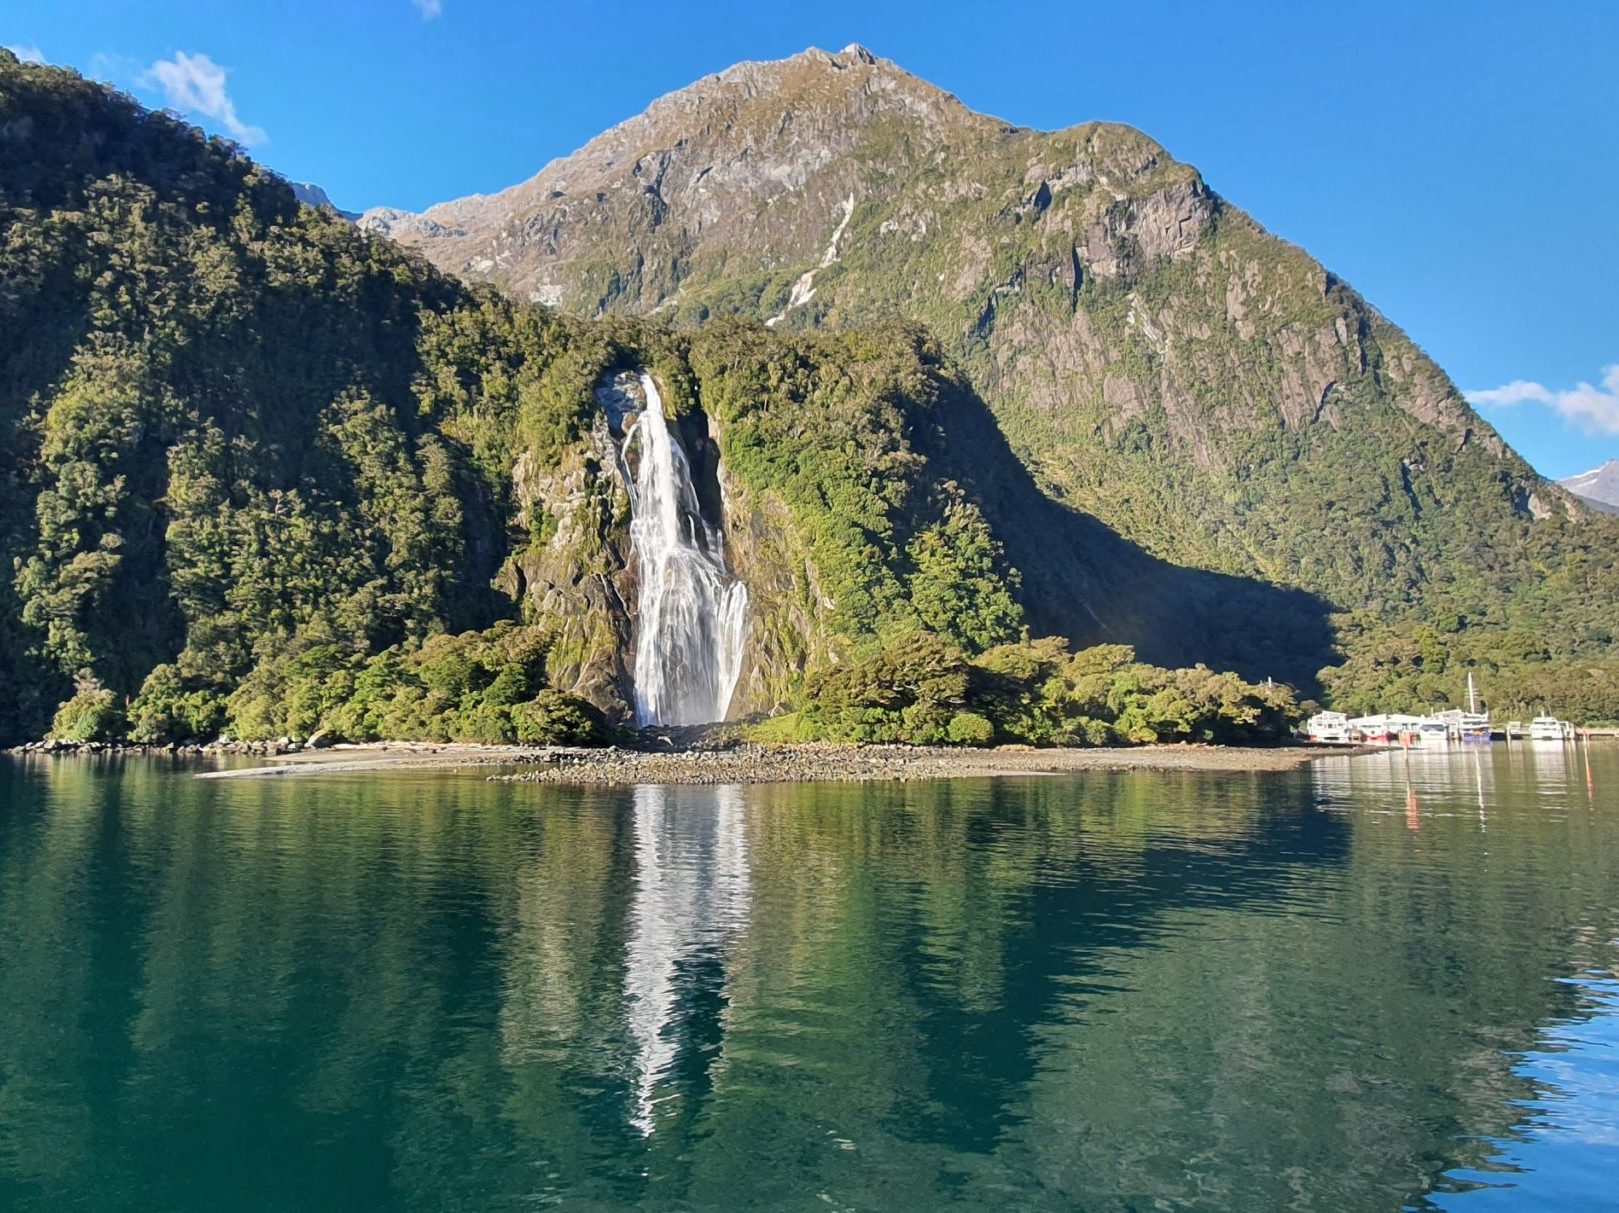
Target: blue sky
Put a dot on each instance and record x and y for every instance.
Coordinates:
(1457, 163)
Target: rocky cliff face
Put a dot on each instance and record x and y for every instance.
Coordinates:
(312, 195)
(579, 574)
(1155, 357)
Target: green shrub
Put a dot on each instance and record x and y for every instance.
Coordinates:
(168, 710)
(294, 694)
(93, 714)
(554, 718)
(969, 728)
(483, 723)
(783, 729)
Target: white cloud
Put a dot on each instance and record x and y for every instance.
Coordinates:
(113, 69)
(1593, 409)
(196, 84)
(429, 8)
(27, 52)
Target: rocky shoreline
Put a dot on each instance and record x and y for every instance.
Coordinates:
(829, 763)
(750, 764)
(743, 763)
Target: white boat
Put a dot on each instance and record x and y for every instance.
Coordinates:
(1474, 725)
(1549, 728)
(1387, 728)
(1373, 730)
(1431, 731)
(1328, 728)
(1384, 728)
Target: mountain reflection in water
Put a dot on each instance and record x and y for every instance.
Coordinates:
(1103, 992)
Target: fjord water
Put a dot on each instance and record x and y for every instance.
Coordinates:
(692, 614)
(1368, 984)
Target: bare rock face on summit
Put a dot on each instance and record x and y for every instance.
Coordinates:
(1155, 357)
(1599, 487)
(718, 173)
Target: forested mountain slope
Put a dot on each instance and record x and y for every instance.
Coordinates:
(1155, 358)
(264, 472)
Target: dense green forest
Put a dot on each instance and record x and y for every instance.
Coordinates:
(923, 690)
(264, 474)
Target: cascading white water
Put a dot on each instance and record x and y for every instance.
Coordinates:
(693, 615)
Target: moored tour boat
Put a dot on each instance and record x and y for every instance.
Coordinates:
(1473, 726)
(1372, 730)
(1431, 731)
(1549, 728)
(1387, 728)
(1328, 728)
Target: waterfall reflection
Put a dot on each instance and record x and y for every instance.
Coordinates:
(692, 895)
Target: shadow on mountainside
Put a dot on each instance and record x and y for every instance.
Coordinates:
(1085, 581)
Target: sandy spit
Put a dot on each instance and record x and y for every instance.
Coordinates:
(770, 764)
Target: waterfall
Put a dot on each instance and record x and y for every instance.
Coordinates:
(693, 615)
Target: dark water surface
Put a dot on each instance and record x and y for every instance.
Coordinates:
(1366, 985)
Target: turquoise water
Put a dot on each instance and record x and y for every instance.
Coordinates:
(1371, 984)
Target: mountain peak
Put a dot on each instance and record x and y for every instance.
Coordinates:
(765, 159)
(811, 78)
(783, 134)
(1599, 486)
(827, 189)
(849, 56)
